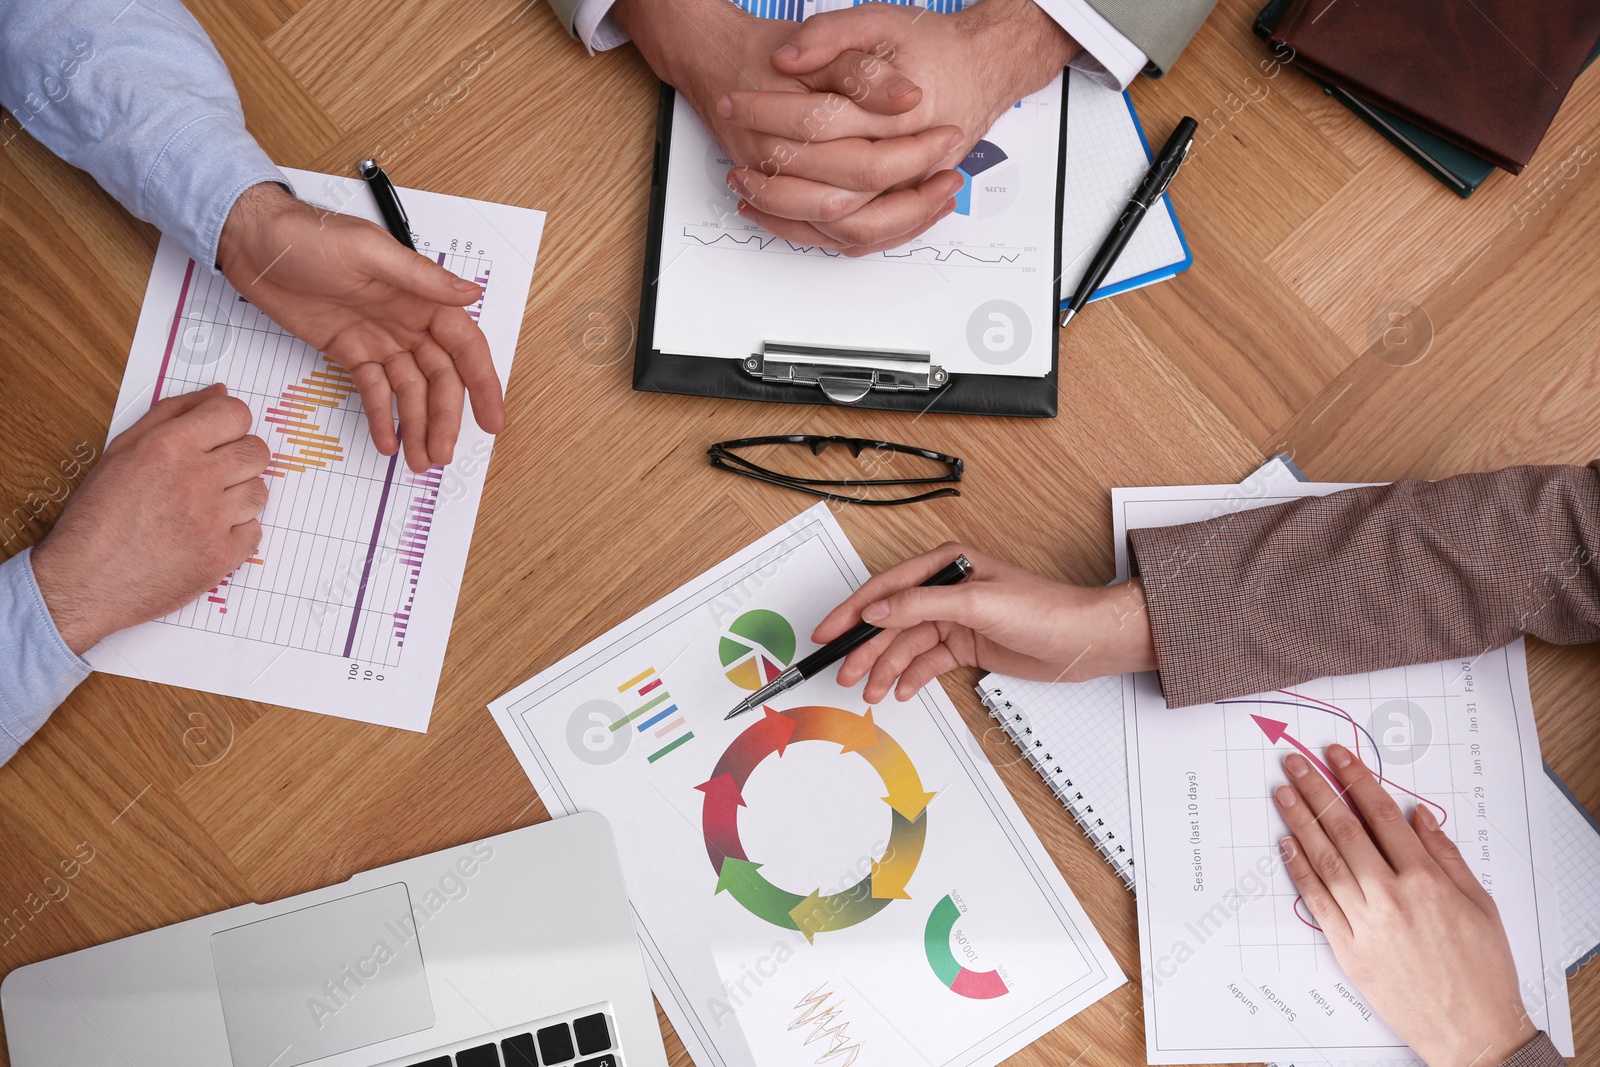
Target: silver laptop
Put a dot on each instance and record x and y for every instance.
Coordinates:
(515, 951)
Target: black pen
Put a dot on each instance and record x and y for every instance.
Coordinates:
(394, 216)
(1150, 188)
(838, 648)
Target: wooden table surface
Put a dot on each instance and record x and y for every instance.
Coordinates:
(1343, 307)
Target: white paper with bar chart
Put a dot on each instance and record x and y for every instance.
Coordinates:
(346, 607)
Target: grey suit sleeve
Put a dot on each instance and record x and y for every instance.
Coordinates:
(1160, 28)
(566, 11)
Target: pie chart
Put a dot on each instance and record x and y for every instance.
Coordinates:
(989, 181)
(757, 647)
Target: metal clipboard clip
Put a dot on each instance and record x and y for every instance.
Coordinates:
(845, 375)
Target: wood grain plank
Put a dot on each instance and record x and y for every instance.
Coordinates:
(286, 119)
(1363, 249)
(1304, 224)
(354, 73)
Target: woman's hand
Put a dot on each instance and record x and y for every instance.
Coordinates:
(1002, 618)
(1404, 915)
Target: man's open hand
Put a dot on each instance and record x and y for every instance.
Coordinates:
(392, 318)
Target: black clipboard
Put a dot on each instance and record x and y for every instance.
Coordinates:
(655, 371)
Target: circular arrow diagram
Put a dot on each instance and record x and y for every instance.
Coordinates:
(741, 878)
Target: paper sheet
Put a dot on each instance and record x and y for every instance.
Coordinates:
(1234, 969)
(1577, 859)
(346, 607)
(978, 290)
(821, 882)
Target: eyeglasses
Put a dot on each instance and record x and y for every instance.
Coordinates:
(879, 453)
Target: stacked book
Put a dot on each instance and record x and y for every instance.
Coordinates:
(1462, 89)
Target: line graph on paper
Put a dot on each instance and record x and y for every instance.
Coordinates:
(751, 238)
(345, 531)
(1413, 727)
(347, 606)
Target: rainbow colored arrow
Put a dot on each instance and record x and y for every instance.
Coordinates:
(893, 870)
(818, 914)
(719, 819)
(814, 913)
(741, 879)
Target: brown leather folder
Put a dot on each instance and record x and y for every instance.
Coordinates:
(1487, 75)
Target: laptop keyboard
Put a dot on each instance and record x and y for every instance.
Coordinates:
(588, 1040)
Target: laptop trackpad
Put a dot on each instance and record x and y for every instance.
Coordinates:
(322, 980)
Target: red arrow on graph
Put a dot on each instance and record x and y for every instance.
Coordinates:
(1277, 731)
(720, 818)
(768, 734)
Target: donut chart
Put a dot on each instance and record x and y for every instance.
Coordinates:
(741, 878)
(989, 181)
(974, 985)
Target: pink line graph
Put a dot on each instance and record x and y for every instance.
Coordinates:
(1275, 731)
(1377, 772)
(172, 338)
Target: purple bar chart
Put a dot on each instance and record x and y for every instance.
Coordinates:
(345, 533)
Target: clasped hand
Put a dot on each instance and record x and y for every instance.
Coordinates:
(846, 130)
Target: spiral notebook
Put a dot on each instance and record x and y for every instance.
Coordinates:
(1072, 731)
(1072, 734)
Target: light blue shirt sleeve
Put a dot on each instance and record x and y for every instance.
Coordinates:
(136, 94)
(37, 669)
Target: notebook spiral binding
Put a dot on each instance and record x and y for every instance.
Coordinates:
(1015, 723)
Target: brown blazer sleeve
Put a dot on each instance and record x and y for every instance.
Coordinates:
(1540, 1052)
(1370, 578)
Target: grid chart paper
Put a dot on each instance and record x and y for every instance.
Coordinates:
(1238, 968)
(1072, 734)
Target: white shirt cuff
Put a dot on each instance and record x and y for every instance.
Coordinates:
(1108, 57)
(595, 27)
